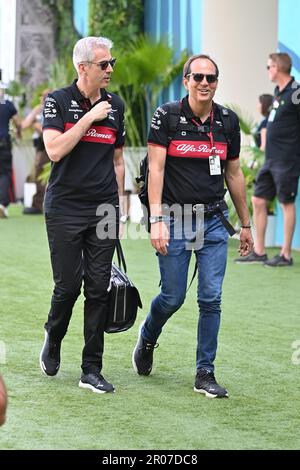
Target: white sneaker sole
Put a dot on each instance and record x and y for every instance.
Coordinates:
(42, 365)
(207, 394)
(249, 262)
(91, 387)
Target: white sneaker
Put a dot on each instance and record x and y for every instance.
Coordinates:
(3, 212)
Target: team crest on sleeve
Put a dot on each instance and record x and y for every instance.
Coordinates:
(156, 120)
(50, 110)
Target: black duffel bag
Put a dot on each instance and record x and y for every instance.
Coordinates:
(124, 298)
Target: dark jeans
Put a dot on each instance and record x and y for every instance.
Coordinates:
(77, 255)
(6, 186)
(211, 261)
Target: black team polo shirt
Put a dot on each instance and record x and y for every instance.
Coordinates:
(85, 178)
(187, 179)
(283, 132)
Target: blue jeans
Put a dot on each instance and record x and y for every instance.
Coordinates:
(211, 262)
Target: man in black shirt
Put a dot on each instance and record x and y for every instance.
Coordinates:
(84, 137)
(187, 169)
(279, 175)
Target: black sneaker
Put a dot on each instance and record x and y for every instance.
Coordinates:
(50, 356)
(206, 383)
(142, 356)
(96, 383)
(279, 260)
(252, 258)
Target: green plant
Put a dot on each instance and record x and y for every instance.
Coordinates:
(65, 32)
(141, 73)
(62, 73)
(17, 91)
(119, 20)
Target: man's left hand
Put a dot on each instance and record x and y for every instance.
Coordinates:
(246, 242)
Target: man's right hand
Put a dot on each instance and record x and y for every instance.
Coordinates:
(100, 111)
(160, 236)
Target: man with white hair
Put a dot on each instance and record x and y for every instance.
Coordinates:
(83, 132)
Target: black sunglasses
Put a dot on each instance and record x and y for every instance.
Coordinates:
(199, 77)
(105, 63)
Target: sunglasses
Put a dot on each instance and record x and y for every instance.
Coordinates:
(105, 63)
(199, 77)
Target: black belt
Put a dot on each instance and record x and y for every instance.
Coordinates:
(216, 208)
(213, 208)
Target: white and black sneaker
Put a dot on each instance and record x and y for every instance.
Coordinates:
(206, 383)
(96, 383)
(142, 356)
(50, 355)
(252, 258)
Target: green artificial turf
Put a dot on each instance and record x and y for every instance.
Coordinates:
(260, 321)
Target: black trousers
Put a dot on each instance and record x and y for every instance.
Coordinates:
(78, 255)
(6, 187)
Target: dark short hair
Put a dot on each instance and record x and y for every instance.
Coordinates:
(282, 60)
(266, 101)
(187, 65)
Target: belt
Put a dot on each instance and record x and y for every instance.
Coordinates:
(215, 208)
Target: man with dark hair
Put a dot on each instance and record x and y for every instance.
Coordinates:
(187, 170)
(279, 176)
(84, 137)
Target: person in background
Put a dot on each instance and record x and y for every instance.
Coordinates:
(34, 120)
(7, 112)
(264, 107)
(279, 175)
(83, 130)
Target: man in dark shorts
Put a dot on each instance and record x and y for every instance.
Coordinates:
(279, 175)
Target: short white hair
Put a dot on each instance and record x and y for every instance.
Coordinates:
(84, 49)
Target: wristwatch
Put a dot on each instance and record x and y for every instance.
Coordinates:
(124, 218)
(156, 218)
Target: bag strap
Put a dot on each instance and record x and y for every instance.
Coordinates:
(120, 256)
(175, 111)
(194, 275)
(225, 117)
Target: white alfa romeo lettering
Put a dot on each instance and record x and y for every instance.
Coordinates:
(185, 148)
(94, 133)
